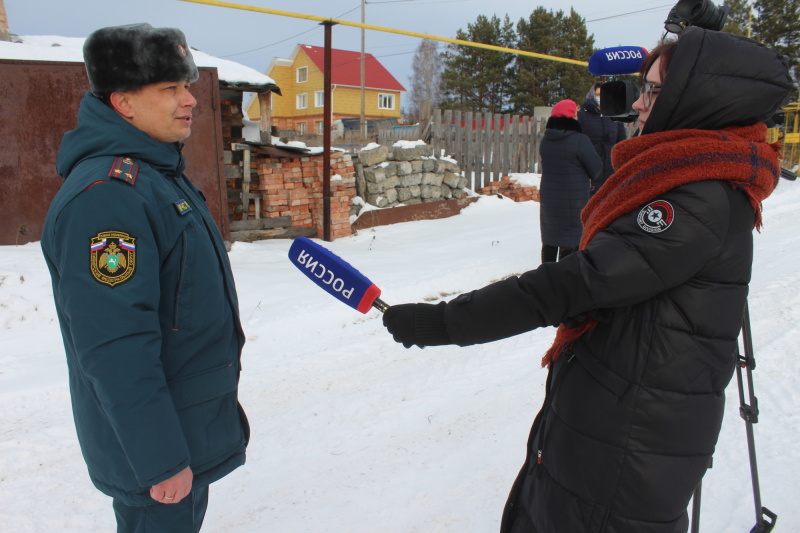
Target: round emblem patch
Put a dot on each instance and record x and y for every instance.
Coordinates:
(656, 216)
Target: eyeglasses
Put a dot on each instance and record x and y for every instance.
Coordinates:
(649, 93)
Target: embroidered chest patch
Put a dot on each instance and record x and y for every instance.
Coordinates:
(182, 207)
(112, 257)
(656, 216)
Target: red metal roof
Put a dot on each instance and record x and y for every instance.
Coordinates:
(346, 68)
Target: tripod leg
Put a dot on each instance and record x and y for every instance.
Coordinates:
(696, 508)
(749, 412)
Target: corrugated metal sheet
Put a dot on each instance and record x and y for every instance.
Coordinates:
(39, 102)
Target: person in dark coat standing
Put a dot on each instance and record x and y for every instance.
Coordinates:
(143, 289)
(602, 131)
(568, 165)
(650, 309)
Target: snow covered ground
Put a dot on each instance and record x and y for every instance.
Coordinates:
(352, 432)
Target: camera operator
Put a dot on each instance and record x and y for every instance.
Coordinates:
(649, 310)
(602, 131)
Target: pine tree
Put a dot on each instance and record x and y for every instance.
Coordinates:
(777, 25)
(540, 82)
(426, 78)
(475, 78)
(738, 20)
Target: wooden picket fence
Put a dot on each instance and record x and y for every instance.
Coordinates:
(487, 146)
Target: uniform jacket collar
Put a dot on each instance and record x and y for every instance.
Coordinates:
(102, 132)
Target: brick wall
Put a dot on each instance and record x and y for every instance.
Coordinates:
(293, 188)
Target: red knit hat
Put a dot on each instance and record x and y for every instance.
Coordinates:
(565, 108)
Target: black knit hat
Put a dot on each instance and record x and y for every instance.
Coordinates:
(123, 58)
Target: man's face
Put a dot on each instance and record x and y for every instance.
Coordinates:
(162, 110)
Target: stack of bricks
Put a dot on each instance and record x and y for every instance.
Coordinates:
(231, 113)
(509, 188)
(293, 188)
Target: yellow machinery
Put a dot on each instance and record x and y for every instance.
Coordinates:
(791, 136)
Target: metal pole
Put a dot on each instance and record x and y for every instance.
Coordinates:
(363, 122)
(326, 150)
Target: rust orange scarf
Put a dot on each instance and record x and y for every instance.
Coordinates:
(653, 164)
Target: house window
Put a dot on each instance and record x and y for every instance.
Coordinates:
(319, 99)
(385, 101)
(302, 74)
(301, 128)
(320, 127)
(302, 101)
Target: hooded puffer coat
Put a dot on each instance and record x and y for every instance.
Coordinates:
(633, 411)
(148, 311)
(568, 165)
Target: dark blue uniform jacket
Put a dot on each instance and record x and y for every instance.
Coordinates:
(148, 311)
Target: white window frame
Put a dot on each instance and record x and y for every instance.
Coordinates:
(301, 101)
(320, 127)
(301, 128)
(302, 74)
(389, 97)
(319, 99)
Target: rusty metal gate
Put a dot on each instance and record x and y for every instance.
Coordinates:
(39, 102)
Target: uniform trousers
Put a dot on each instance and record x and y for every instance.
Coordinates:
(185, 516)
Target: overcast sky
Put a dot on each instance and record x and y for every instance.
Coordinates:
(255, 38)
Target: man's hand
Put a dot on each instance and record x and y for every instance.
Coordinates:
(174, 489)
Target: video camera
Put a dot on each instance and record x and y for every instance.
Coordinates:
(617, 97)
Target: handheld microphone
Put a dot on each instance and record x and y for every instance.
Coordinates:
(335, 276)
(617, 60)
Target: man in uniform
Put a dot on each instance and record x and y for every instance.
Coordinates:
(143, 289)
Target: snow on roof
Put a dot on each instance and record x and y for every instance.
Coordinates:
(56, 48)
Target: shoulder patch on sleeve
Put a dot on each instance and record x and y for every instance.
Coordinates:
(655, 217)
(112, 257)
(124, 169)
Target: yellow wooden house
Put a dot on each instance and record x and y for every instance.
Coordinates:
(300, 78)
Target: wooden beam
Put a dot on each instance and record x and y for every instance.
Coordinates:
(265, 122)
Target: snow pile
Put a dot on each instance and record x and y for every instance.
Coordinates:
(349, 429)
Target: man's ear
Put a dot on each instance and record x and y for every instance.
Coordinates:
(121, 103)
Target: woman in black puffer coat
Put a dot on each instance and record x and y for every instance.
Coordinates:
(649, 310)
(568, 165)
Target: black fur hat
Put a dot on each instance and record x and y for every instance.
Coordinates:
(123, 58)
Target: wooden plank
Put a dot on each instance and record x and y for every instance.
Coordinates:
(467, 165)
(246, 184)
(265, 121)
(448, 132)
(487, 149)
(497, 152)
(458, 153)
(278, 233)
(513, 149)
(523, 147)
(264, 223)
(506, 145)
(436, 139)
(478, 150)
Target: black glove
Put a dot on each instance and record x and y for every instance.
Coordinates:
(417, 324)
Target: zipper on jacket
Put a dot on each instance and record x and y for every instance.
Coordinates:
(181, 279)
(538, 466)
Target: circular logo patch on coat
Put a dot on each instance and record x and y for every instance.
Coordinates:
(656, 216)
